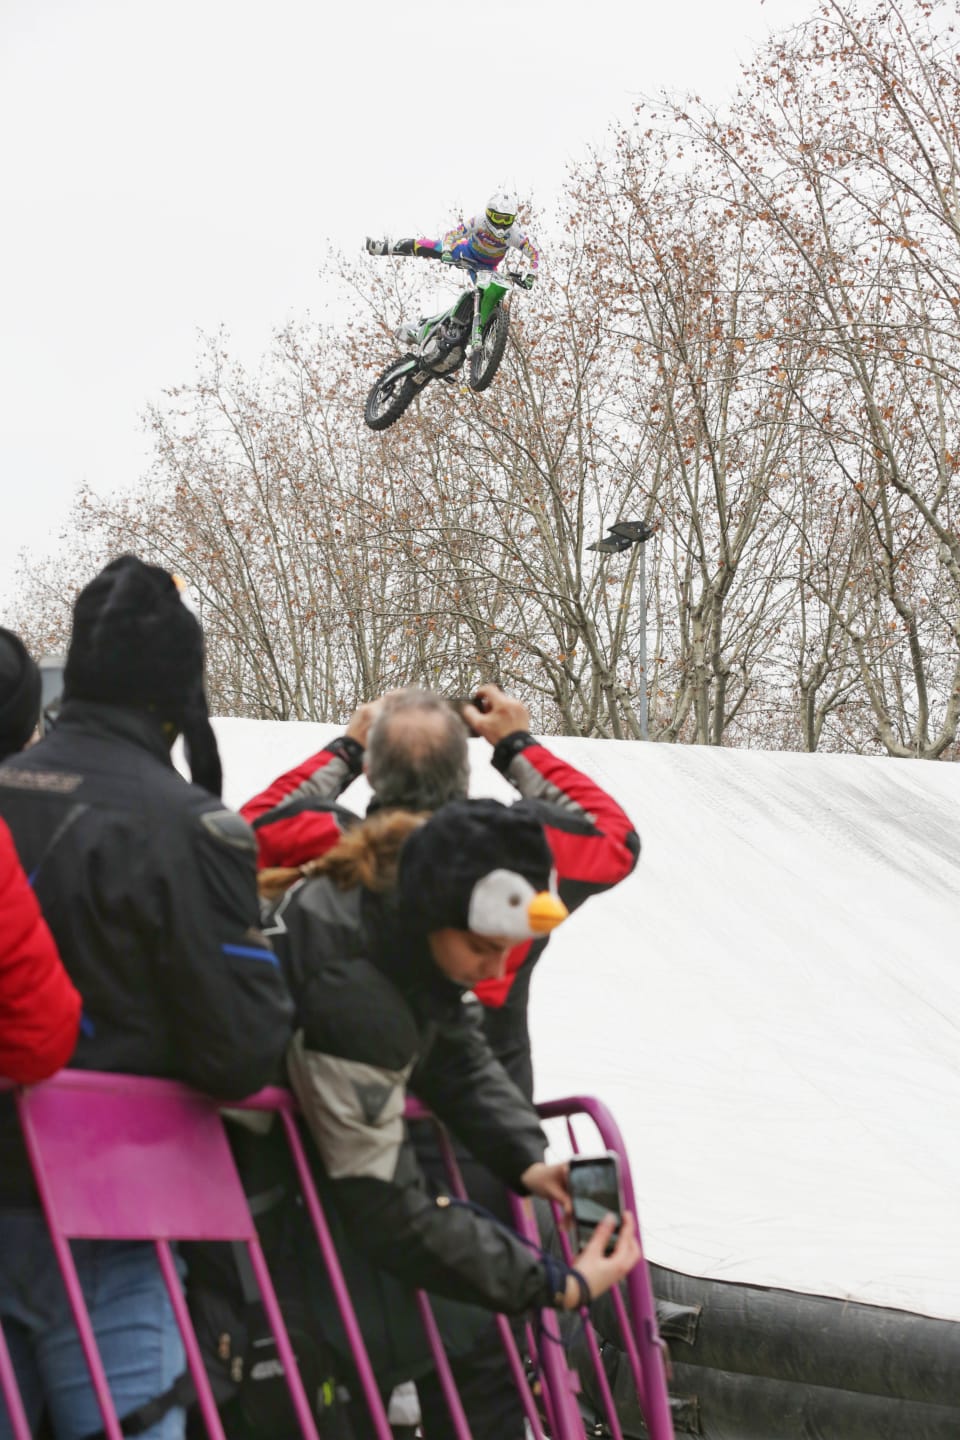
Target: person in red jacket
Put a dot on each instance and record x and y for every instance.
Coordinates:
(412, 746)
(39, 1007)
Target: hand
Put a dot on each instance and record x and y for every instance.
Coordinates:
(601, 1271)
(550, 1182)
(529, 281)
(361, 720)
(500, 716)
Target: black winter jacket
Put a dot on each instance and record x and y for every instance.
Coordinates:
(149, 887)
(375, 1017)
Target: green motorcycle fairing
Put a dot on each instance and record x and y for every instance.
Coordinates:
(491, 293)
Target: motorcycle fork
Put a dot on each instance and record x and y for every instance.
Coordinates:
(476, 336)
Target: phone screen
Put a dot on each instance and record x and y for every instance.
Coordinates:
(595, 1192)
(51, 689)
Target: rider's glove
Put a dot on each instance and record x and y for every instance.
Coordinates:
(447, 257)
(529, 281)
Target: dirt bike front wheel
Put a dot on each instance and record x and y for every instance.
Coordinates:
(485, 360)
(390, 396)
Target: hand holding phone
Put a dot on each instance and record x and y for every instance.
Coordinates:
(493, 714)
(461, 703)
(588, 1190)
(601, 1267)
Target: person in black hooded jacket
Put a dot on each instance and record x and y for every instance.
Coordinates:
(148, 885)
(382, 945)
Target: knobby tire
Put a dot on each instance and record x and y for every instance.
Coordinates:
(382, 416)
(485, 360)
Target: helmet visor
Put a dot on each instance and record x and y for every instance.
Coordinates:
(501, 219)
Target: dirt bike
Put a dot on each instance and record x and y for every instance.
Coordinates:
(475, 328)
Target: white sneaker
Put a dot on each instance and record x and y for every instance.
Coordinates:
(404, 1407)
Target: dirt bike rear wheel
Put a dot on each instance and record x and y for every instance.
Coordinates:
(389, 397)
(485, 360)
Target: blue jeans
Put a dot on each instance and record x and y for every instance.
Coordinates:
(132, 1319)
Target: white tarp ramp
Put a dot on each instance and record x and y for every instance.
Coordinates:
(770, 1006)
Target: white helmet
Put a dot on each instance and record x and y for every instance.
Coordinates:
(501, 212)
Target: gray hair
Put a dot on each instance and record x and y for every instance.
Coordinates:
(417, 752)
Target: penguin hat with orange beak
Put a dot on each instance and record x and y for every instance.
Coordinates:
(483, 872)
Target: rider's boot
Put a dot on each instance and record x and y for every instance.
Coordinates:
(386, 246)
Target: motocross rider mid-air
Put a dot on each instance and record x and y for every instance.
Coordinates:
(480, 242)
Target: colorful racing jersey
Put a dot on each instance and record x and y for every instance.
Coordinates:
(487, 248)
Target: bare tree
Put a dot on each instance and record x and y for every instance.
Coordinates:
(747, 336)
(845, 146)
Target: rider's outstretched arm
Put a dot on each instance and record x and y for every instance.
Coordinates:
(453, 237)
(426, 249)
(531, 252)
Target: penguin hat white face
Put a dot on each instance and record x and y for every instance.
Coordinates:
(503, 903)
(476, 880)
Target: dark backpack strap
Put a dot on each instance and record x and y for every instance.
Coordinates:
(246, 1275)
(182, 1392)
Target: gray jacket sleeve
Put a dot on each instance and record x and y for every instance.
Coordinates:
(348, 1066)
(467, 1088)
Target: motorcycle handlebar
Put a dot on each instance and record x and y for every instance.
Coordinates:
(514, 275)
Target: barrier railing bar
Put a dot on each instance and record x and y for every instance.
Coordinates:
(629, 1340)
(504, 1331)
(642, 1341)
(596, 1357)
(291, 1370)
(448, 1385)
(71, 1281)
(208, 1406)
(593, 1344)
(562, 1382)
(355, 1339)
(642, 1305)
(11, 1393)
(544, 1391)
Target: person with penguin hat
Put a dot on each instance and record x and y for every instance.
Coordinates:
(383, 939)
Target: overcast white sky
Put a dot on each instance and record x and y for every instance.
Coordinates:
(171, 167)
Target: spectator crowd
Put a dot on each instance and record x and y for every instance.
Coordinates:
(146, 928)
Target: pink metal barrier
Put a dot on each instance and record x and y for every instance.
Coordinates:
(639, 1332)
(117, 1157)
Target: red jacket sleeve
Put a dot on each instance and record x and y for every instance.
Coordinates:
(295, 819)
(593, 840)
(39, 1007)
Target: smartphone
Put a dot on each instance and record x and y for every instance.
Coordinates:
(51, 690)
(459, 701)
(596, 1191)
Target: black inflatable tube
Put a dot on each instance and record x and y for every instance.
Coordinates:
(747, 1407)
(817, 1341)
